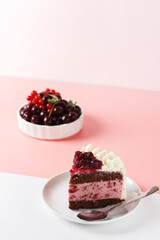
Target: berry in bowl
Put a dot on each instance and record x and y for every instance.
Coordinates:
(48, 116)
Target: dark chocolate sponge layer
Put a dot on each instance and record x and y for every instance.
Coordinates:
(95, 177)
(75, 205)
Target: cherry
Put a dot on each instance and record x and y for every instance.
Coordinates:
(59, 96)
(44, 98)
(73, 116)
(56, 121)
(35, 119)
(48, 121)
(65, 118)
(27, 107)
(27, 116)
(58, 110)
(86, 160)
(35, 110)
(22, 112)
(37, 105)
(88, 155)
(64, 102)
(48, 110)
(48, 95)
(41, 94)
(69, 108)
(77, 110)
(43, 114)
(61, 104)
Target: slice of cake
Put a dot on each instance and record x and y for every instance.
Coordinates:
(98, 179)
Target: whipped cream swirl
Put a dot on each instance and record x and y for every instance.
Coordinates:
(111, 162)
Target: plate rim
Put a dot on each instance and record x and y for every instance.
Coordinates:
(79, 221)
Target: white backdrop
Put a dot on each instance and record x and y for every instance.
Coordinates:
(114, 42)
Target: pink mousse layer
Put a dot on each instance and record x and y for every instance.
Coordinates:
(96, 190)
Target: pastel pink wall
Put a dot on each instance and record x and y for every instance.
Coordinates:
(96, 41)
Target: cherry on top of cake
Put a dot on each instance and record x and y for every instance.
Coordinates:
(85, 161)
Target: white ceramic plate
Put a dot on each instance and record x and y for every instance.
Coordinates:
(55, 195)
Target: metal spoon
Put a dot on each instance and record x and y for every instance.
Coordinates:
(92, 215)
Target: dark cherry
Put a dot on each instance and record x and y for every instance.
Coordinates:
(88, 155)
(69, 108)
(41, 94)
(73, 116)
(48, 121)
(21, 112)
(35, 110)
(77, 110)
(61, 104)
(65, 118)
(45, 98)
(27, 107)
(86, 160)
(64, 102)
(35, 119)
(58, 110)
(27, 116)
(48, 95)
(56, 121)
(60, 98)
(43, 114)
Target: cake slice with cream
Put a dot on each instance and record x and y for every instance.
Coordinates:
(98, 179)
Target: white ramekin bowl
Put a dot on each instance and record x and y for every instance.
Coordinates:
(50, 132)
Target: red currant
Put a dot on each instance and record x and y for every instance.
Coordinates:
(42, 107)
(29, 98)
(47, 90)
(53, 91)
(34, 93)
(41, 101)
(35, 101)
(37, 97)
(49, 105)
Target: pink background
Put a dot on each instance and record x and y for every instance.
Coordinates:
(112, 42)
(121, 120)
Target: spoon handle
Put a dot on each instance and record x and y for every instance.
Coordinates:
(141, 195)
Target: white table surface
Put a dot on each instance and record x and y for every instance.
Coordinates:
(24, 216)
